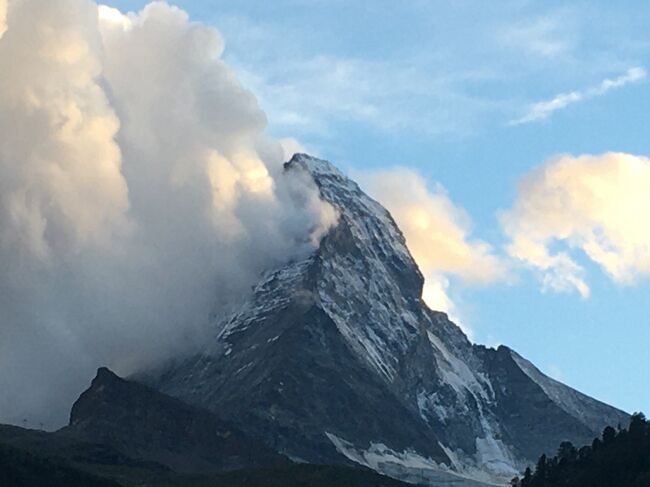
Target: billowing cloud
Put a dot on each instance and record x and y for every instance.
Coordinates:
(3, 16)
(138, 195)
(61, 185)
(436, 295)
(291, 146)
(437, 233)
(599, 205)
(544, 109)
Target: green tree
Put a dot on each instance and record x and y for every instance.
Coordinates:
(541, 471)
(567, 452)
(609, 435)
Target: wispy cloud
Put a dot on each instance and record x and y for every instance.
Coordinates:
(544, 109)
(445, 76)
(548, 36)
(308, 95)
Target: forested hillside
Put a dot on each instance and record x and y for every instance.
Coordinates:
(619, 458)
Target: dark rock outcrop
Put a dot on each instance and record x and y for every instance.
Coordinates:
(144, 424)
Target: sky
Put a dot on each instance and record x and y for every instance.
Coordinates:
(508, 139)
(473, 96)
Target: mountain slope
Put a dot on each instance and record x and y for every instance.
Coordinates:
(336, 358)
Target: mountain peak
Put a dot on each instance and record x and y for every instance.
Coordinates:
(336, 358)
(365, 227)
(316, 167)
(104, 376)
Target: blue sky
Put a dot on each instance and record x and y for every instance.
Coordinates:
(472, 95)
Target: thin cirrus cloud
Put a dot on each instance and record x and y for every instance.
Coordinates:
(442, 77)
(547, 36)
(306, 95)
(544, 109)
(595, 205)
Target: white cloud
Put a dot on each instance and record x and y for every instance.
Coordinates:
(54, 119)
(436, 295)
(138, 195)
(599, 205)
(3, 16)
(314, 87)
(544, 109)
(291, 146)
(444, 75)
(547, 36)
(310, 95)
(437, 233)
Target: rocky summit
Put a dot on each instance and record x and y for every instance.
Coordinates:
(335, 358)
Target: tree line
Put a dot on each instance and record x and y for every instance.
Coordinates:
(621, 457)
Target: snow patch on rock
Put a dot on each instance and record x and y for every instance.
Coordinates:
(407, 465)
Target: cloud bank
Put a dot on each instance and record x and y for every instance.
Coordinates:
(597, 205)
(544, 109)
(138, 195)
(3, 16)
(437, 233)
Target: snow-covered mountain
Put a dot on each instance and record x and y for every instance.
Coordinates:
(336, 358)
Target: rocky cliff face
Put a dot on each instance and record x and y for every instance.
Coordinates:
(336, 358)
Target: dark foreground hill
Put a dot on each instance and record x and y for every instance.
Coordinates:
(19, 468)
(122, 433)
(298, 475)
